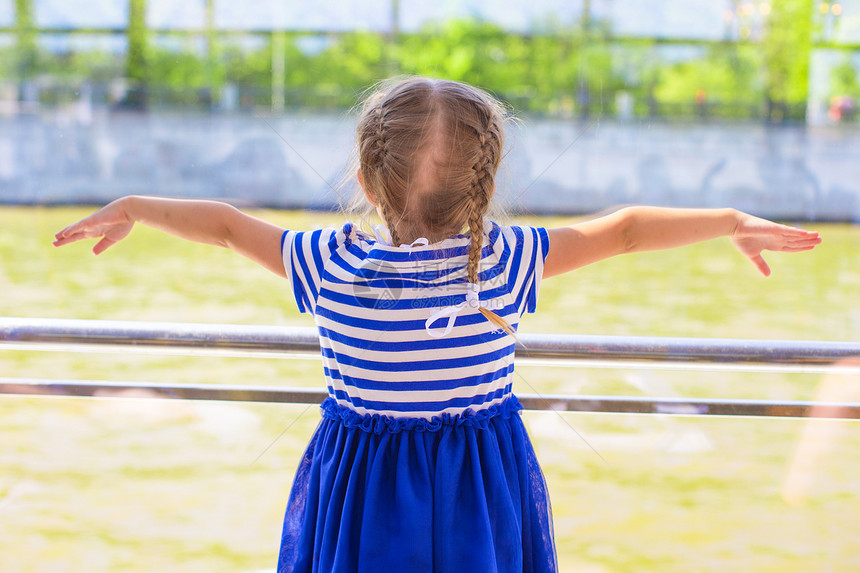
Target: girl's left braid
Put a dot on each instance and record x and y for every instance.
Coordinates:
(380, 154)
(480, 191)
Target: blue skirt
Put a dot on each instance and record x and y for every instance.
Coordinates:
(455, 493)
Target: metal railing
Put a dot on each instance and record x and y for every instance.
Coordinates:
(302, 342)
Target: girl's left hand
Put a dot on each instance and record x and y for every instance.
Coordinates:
(111, 223)
(753, 235)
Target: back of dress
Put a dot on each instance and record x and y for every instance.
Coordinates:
(372, 303)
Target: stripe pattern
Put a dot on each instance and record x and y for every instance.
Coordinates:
(370, 302)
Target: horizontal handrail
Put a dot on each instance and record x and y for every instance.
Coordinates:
(222, 339)
(560, 403)
(292, 341)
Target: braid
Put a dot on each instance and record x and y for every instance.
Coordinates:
(479, 196)
(480, 191)
(389, 221)
(377, 146)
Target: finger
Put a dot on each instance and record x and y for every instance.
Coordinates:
(805, 244)
(795, 232)
(63, 238)
(76, 231)
(758, 261)
(65, 241)
(804, 237)
(788, 229)
(103, 245)
(816, 241)
(70, 230)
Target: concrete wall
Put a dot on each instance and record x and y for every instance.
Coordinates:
(85, 155)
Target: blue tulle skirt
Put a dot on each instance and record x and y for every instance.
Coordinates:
(454, 493)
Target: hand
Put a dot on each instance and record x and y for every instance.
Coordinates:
(752, 235)
(111, 223)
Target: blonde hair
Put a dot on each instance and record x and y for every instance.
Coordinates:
(428, 151)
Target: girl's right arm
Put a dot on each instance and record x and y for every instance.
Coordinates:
(209, 222)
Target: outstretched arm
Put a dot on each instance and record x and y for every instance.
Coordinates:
(635, 229)
(209, 222)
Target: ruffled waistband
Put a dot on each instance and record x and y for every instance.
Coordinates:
(379, 423)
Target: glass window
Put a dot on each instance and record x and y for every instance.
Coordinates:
(519, 15)
(7, 13)
(195, 45)
(65, 14)
(841, 21)
(74, 43)
(693, 19)
(187, 15)
(329, 15)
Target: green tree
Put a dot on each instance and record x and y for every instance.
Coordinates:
(137, 58)
(462, 50)
(725, 82)
(214, 64)
(542, 72)
(843, 80)
(336, 74)
(251, 70)
(787, 46)
(178, 77)
(26, 56)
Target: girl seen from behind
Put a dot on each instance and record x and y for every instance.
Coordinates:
(421, 461)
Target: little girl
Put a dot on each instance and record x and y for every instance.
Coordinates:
(421, 461)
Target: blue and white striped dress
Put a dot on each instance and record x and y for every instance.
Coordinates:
(421, 461)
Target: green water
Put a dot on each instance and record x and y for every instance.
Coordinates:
(150, 485)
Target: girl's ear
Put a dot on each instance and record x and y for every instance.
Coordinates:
(370, 196)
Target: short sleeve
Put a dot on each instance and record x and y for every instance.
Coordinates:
(527, 250)
(304, 254)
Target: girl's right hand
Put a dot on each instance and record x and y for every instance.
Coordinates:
(111, 223)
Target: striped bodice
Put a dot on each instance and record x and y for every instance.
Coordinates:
(371, 303)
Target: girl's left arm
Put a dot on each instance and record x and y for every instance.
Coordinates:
(636, 229)
(209, 222)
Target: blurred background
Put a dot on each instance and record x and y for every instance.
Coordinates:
(744, 103)
(749, 103)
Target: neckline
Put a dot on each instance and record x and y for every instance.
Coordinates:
(492, 237)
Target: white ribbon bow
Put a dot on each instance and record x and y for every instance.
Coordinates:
(382, 235)
(451, 312)
(419, 242)
(380, 232)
